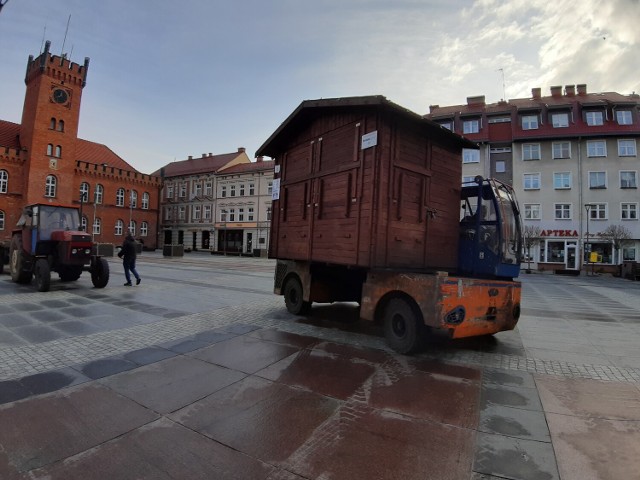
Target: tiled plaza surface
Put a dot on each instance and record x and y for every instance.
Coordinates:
(200, 372)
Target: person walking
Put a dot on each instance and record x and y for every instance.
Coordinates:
(128, 255)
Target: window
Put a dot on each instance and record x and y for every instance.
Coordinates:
(223, 191)
(207, 212)
(499, 120)
(145, 201)
(50, 150)
(181, 212)
(52, 124)
(529, 122)
(270, 188)
(501, 167)
(561, 149)
(4, 181)
(144, 229)
(250, 214)
(119, 227)
(83, 223)
(532, 211)
(223, 215)
(532, 181)
(232, 214)
(628, 254)
(50, 186)
(468, 179)
(58, 151)
(84, 191)
(623, 117)
(170, 191)
(596, 148)
(183, 190)
(208, 189)
(97, 226)
(133, 199)
(120, 197)
(1, 220)
(61, 126)
(132, 227)
(447, 125)
(628, 179)
(562, 180)
(560, 120)
(597, 180)
(168, 213)
(563, 211)
(594, 118)
(196, 212)
(626, 148)
(198, 189)
(268, 214)
(241, 214)
(629, 211)
(242, 189)
(99, 194)
(598, 211)
(470, 126)
(531, 151)
(470, 155)
(232, 190)
(252, 189)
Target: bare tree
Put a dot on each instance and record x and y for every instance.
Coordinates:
(619, 236)
(530, 236)
(2, 4)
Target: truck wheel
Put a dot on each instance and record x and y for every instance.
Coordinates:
(403, 327)
(100, 273)
(69, 274)
(43, 275)
(16, 261)
(293, 298)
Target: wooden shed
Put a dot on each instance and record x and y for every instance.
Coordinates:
(363, 182)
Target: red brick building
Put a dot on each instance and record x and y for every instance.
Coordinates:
(42, 160)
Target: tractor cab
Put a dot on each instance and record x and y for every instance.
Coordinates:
(490, 242)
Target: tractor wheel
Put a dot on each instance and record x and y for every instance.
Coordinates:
(100, 273)
(293, 298)
(43, 275)
(16, 261)
(403, 326)
(69, 274)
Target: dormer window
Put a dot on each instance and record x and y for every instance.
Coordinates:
(470, 126)
(623, 117)
(530, 122)
(594, 118)
(560, 120)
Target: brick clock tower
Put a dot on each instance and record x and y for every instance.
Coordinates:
(49, 128)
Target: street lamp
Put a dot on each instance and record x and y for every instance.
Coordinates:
(587, 246)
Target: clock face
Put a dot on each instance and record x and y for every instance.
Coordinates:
(60, 96)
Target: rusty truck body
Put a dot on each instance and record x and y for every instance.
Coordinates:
(368, 206)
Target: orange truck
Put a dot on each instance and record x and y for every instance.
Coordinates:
(368, 207)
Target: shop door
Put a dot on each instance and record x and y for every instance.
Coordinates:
(571, 257)
(168, 234)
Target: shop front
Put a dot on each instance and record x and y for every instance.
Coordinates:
(559, 251)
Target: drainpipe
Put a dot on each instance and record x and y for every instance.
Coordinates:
(581, 202)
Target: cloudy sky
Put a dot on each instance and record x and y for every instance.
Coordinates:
(170, 79)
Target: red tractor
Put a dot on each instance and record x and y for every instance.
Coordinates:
(48, 239)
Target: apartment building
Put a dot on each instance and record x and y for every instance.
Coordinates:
(572, 158)
(220, 203)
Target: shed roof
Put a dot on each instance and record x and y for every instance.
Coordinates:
(310, 109)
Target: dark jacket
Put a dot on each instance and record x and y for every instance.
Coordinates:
(128, 250)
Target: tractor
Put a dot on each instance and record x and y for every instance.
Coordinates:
(48, 239)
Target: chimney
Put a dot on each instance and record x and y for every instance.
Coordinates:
(570, 90)
(259, 159)
(556, 91)
(210, 154)
(190, 157)
(241, 149)
(204, 155)
(433, 107)
(582, 88)
(536, 93)
(477, 100)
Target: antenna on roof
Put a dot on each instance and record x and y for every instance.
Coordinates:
(44, 34)
(65, 39)
(504, 92)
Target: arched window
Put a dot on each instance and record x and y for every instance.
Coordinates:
(144, 229)
(99, 194)
(132, 227)
(58, 151)
(133, 199)
(120, 198)
(50, 186)
(97, 225)
(119, 227)
(52, 125)
(61, 126)
(1, 220)
(84, 192)
(145, 201)
(4, 181)
(50, 149)
(83, 224)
